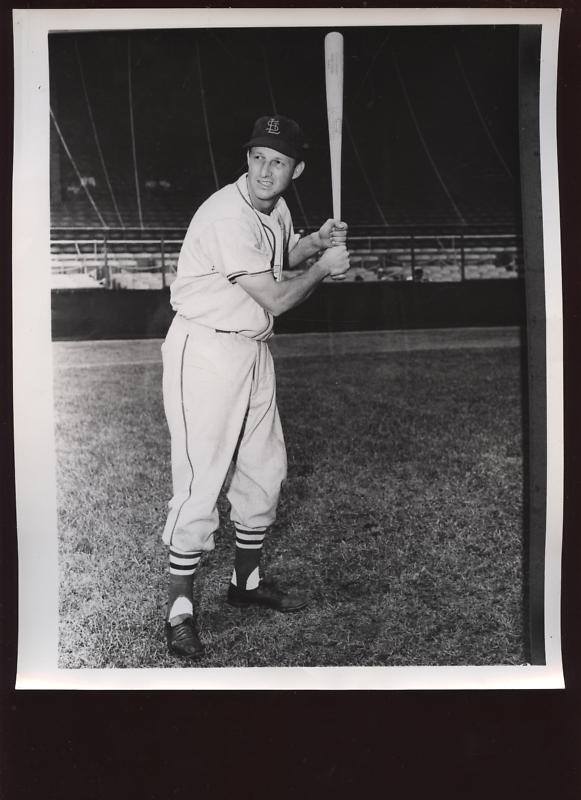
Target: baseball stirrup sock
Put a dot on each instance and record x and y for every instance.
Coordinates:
(249, 543)
(182, 568)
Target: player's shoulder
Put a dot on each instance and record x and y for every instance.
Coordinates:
(225, 203)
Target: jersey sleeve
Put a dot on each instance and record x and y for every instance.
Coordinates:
(234, 249)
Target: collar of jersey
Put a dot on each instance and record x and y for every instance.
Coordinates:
(243, 188)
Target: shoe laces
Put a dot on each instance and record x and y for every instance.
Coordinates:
(185, 630)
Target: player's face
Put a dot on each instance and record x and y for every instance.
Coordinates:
(269, 175)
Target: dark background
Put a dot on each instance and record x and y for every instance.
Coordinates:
(432, 143)
(454, 87)
(402, 744)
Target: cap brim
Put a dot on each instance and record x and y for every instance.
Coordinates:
(280, 146)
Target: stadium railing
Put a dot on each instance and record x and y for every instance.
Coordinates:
(125, 258)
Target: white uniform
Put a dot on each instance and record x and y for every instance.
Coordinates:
(218, 374)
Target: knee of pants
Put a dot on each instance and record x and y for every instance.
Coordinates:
(264, 479)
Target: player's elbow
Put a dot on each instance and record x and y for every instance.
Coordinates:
(277, 308)
(271, 306)
(276, 305)
(284, 303)
(265, 292)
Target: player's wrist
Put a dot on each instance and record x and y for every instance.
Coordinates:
(316, 241)
(320, 269)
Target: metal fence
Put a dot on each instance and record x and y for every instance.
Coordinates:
(150, 262)
(436, 257)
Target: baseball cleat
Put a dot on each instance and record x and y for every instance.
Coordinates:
(183, 640)
(266, 594)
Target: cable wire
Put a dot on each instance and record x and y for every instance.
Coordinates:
(374, 59)
(132, 125)
(205, 113)
(76, 169)
(273, 103)
(423, 141)
(481, 116)
(97, 142)
(365, 176)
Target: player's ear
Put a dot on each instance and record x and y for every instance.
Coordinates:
(298, 170)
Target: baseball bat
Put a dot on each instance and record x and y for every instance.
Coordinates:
(334, 92)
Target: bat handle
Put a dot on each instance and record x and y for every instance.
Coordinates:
(337, 215)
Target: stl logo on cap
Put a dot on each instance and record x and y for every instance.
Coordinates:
(272, 126)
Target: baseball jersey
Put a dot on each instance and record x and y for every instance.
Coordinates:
(227, 238)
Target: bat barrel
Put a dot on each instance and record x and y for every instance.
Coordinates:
(334, 91)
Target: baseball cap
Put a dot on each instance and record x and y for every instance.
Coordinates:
(279, 133)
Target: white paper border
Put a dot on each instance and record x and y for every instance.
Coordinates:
(35, 462)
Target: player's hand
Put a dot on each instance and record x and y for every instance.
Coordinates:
(335, 261)
(333, 232)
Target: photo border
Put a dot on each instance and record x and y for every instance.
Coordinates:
(35, 461)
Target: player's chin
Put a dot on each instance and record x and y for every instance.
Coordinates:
(264, 192)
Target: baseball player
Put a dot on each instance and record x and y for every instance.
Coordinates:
(218, 375)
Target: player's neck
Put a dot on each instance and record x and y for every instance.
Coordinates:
(264, 206)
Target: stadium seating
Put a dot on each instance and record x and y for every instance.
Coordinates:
(424, 240)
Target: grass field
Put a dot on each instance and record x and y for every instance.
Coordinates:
(401, 516)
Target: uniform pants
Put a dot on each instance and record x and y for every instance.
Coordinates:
(215, 387)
